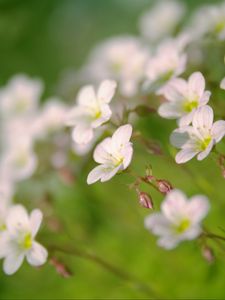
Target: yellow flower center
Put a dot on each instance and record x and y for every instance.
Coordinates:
(2, 227)
(27, 241)
(21, 160)
(220, 26)
(205, 143)
(183, 226)
(190, 105)
(21, 106)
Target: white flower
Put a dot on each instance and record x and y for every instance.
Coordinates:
(19, 161)
(161, 19)
(184, 97)
(222, 84)
(20, 97)
(168, 62)
(113, 154)
(92, 110)
(111, 59)
(4, 209)
(179, 218)
(51, 119)
(200, 138)
(215, 25)
(18, 242)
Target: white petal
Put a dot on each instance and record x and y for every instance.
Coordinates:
(110, 173)
(180, 136)
(169, 110)
(35, 221)
(203, 117)
(185, 155)
(102, 151)
(175, 90)
(206, 152)
(196, 83)
(186, 119)
(218, 130)
(191, 233)
(86, 96)
(17, 219)
(127, 153)
(205, 98)
(168, 242)
(122, 135)
(174, 205)
(158, 224)
(222, 84)
(99, 172)
(4, 244)
(82, 134)
(198, 208)
(106, 91)
(37, 255)
(12, 262)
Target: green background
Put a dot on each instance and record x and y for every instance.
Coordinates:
(49, 39)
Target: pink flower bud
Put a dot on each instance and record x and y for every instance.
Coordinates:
(164, 186)
(207, 253)
(145, 200)
(60, 268)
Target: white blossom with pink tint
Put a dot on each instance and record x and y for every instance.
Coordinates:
(92, 111)
(113, 154)
(180, 219)
(199, 138)
(183, 98)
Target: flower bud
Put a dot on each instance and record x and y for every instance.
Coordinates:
(207, 253)
(60, 268)
(164, 186)
(145, 200)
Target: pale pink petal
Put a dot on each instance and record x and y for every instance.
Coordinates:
(86, 96)
(169, 110)
(82, 134)
(174, 205)
(102, 152)
(222, 84)
(12, 263)
(106, 91)
(203, 117)
(122, 135)
(196, 83)
(185, 155)
(198, 208)
(158, 224)
(37, 255)
(35, 221)
(218, 130)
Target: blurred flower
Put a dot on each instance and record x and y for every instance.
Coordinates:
(92, 110)
(19, 162)
(112, 59)
(161, 19)
(179, 218)
(168, 62)
(20, 97)
(200, 138)
(184, 97)
(18, 240)
(51, 119)
(222, 84)
(215, 25)
(113, 154)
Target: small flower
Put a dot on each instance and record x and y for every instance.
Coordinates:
(184, 97)
(20, 161)
(168, 62)
(20, 97)
(92, 110)
(51, 119)
(179, 219)
(113, 154)
(199, 138)
(19, 240)
(222, 84)
(161, 19)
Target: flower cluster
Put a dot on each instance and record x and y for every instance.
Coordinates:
(125, 78)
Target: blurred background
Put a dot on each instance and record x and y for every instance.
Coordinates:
(51, 39)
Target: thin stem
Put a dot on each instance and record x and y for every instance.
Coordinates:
(104, 264)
